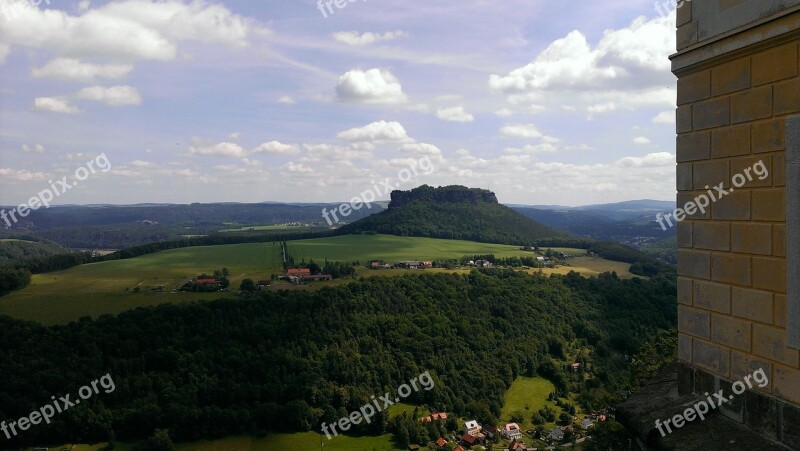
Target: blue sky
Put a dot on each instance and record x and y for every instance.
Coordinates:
(543, 102)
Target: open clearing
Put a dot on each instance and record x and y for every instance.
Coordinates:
(107, 288)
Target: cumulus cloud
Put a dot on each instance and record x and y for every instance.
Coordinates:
(223, 149)
(658, 159)
(54, 105)
(128, 29)
(21, 175)
(374, 86)
(277, 148)
(74, 70)
(114, 96)
(454, 114)
(358, 39)
(286, 100)
(665, 117)
(376, 131)
(521, 131)
(641, 140)
(629, 62)
(37, 148)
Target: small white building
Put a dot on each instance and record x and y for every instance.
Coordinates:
(511, 431)
(472, 428)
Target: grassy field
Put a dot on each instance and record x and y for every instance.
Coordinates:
(527, 395)
(101, 288)
(364, 248)
(266, 227)
(107, 288)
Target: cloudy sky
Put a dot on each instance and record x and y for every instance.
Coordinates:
(544, 102)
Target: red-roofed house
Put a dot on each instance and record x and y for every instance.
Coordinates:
(441, 443)
(458, 448)
(517, 446)
(206, 281)
(298, 272)
(470, 440)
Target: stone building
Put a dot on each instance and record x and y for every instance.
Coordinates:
(739, 257)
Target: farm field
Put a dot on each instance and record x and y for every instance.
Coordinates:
(390, 248)
(103, 288)
(107, 288)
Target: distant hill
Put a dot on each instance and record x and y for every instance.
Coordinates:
(17, 250)
(631, 222)
(454, 212)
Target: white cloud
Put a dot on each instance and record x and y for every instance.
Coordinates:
(659, 159)
(505, 112)
(54, 105)
(627, 68)
(422, 148)
(223, 149)
(114, 96)
(126, 30)
(356, 39)
(21, 175)
(74, 70)
(665, 117)
(532, 148)
(454, 114)
(641, 140)
(277, 148)
(374, 86)
(286, 100)
(521, 131)
(38, 148)
(376, 131)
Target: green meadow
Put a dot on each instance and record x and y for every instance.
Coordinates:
(115, 286)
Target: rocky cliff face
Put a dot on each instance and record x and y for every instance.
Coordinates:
(453, 194)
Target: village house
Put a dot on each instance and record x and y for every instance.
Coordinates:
(556, 435)
(472, 440)
(587, 423)
(517, 446)
(301, 272)
(491, 431)
(441, 443)
(472, 427)
(511, 431)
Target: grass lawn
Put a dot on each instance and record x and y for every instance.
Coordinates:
(527, 395)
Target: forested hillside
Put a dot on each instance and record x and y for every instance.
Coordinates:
(287, 361)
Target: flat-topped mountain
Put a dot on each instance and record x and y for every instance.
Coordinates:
(455, 193)
(454, 212)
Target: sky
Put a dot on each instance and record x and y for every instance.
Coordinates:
(543, 102)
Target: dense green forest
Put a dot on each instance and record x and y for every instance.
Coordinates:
(287, 361)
